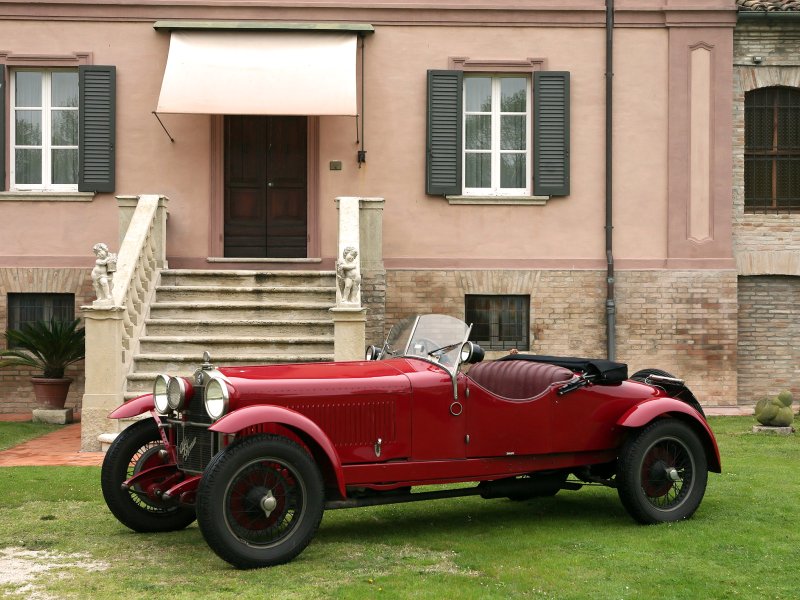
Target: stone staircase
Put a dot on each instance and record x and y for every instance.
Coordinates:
(239, 317)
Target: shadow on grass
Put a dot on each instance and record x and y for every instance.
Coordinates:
(599, 509)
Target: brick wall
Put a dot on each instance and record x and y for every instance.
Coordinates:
(769, 330)
(682, 321)
(16, 393)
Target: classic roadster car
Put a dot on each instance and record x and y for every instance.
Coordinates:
(257, 454)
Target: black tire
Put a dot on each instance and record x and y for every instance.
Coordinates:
(662, 472)
(136, 448)
(260, 502)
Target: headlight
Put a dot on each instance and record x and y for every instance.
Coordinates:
(216, 398)
(373, 353)
(177, 392)
(160, 394)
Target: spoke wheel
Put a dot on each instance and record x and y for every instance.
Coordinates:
(260, 502)
(662, 473)
(135, 449)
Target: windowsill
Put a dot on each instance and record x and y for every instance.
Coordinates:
(54, 196)
(223, 259)
(500, 200)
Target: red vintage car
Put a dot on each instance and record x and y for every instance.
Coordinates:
(257, 454)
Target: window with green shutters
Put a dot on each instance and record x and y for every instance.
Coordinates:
(498, 134)
(60, 129)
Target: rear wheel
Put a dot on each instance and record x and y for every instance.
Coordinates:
(135, 449)
(260, 502)
(662, 472)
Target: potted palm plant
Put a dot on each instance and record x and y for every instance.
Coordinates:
(49, 347)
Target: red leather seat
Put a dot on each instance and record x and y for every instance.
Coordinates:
(517, 379)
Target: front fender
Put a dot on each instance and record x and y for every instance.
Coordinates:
(259, 415)
(643, 413)
(133, 408)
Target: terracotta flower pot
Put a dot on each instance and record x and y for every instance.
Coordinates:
(51, 393)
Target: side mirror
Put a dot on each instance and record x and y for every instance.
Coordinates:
(471, 353)
(373, 353)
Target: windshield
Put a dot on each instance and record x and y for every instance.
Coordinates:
(433, 337)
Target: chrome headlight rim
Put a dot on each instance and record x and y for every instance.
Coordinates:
(160, 394)
(216, 398)
(176, 393)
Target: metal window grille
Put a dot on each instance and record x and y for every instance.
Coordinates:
(499, 322)
(772, 150)
(29, 308)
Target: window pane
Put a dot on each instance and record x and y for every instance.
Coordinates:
(759, 119)
(788, 180)
(512, 170)
(498, 322)
(28, 127)
(65, 127)
(478, 134)
(513, 94)
(478, 170)
(29, 308)
(512, 132)
(28, 165)
(28, 88)
(65, 166)
(478, 94)
(64, 88)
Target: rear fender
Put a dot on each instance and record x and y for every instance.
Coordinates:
(133, 408)
(640, 415)
(318, 442)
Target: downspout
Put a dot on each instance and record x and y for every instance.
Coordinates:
(611, 303)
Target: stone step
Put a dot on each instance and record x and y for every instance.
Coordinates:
(242, 346)
(192, 277)
(184, 364)
(239, 328)
(228, 294)
(240, 310)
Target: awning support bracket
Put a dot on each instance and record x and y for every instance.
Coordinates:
(155, 114)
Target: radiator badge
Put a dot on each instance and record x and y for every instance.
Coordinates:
(185, 448)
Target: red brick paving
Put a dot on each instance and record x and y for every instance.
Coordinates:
(58, 448)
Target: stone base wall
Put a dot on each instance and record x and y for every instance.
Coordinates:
(769, 336)
(684, 322)
(16, 392)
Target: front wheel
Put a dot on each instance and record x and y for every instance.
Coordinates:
(135, 449)
(662, 473)
(260, 502)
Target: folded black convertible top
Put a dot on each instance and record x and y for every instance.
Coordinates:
(604, 371)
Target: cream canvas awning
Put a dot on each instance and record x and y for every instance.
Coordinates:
(260, 73)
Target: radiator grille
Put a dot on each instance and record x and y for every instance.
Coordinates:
(196, 445)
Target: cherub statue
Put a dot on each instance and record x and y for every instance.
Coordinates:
(348, 275)
(103, 273)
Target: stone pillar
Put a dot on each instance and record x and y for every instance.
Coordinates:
(373, 272)
(102, 392)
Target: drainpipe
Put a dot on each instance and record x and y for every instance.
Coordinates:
(611, 303)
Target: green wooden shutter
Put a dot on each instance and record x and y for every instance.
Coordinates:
(443, 151)
(551, 133)
(97, 130)
(2, 127)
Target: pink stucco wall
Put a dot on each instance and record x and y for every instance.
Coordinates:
(649, 74)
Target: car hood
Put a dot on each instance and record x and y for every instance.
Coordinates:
(286, 384)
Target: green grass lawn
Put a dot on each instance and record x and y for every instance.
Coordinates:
(743, 542)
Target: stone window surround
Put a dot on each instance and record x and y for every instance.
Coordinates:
(474, 65)
(777, 261)
(75, 59)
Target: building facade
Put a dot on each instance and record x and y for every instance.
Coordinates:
(483, 128)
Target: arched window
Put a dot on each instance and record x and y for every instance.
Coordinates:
(772, 149)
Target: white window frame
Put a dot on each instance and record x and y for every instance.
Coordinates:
(495, 150)
(46, 147)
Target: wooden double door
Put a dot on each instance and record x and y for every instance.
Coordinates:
(266, 213)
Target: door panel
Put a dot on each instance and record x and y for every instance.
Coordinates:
(265, 187)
